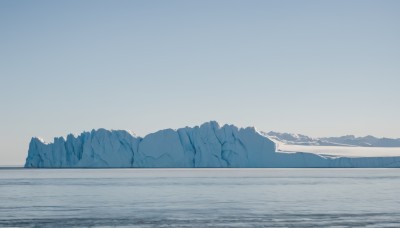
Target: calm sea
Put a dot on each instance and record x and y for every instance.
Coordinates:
(200, 197)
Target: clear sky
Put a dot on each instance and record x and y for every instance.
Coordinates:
(321, 68)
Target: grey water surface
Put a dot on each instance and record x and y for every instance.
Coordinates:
(200, 197)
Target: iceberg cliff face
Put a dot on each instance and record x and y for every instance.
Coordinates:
(99, 148)
(208, 145)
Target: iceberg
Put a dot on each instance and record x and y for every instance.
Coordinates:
(206, 146)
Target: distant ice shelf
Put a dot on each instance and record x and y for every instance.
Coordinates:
(342, 151)
(207, 146)
(347, 140)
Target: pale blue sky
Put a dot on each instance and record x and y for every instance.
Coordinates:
(322, 68)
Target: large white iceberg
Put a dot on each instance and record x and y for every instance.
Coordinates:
(208, 145)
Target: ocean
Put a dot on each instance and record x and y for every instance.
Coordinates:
(199, 197)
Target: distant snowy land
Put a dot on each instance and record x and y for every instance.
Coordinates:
(348, 140)
(344, 146)
(209, 146)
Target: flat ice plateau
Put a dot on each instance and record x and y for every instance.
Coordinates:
(205, 146)
(342, 151)
(347, 140)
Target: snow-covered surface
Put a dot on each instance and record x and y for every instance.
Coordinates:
(208, 145)
(347, 140)
(343, 151)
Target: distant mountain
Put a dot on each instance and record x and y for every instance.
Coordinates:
(347, 140)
